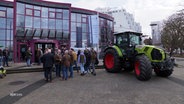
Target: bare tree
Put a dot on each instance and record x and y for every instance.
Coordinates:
(172, 35)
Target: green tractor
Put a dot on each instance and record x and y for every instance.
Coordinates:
(127, 53)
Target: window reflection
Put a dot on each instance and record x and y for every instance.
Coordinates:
(52, 23)
(37, 32)
(65, 14)
(44, 12)
(59, 34)
(28, 21)
(2, 23)
(2, 34)
(20, 21)
(44, 23)
(58, 24)
(20, 31)
(52, 33)
(45, 33)
(2, 14)
(36, 22)
(20, 8)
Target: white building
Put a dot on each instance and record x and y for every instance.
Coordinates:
(123, 21)
(156, 28)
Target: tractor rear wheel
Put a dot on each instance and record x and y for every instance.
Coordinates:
(143, 69)
(168, 69)
(112, 61)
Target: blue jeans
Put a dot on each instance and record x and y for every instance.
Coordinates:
(82, 67)
(28, 61)
(58, 70)
(5, 61)
(65, 72)
(71, 71)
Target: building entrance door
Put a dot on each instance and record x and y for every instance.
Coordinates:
(42, 46)
(21, 53)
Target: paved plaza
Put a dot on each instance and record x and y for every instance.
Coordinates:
(104, 88)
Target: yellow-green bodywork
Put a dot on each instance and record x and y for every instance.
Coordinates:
(142, 49)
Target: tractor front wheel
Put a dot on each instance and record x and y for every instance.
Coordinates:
(143, 69)
(111, 61)
(168, 69)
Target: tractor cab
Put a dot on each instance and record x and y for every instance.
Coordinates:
(127, 39)
(127, 42)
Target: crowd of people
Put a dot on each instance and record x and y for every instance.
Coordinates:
(64, 61)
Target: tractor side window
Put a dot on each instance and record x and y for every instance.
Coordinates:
(122, 40)
(134, 40)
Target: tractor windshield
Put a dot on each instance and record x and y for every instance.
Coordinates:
(135, 39)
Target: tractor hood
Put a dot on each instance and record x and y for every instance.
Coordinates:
(155, 54)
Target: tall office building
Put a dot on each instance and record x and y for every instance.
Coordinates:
(156, 28)
(123, 21)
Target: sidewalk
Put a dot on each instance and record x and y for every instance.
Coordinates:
(22, 67)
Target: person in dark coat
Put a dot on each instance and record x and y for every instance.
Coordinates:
(48, 62)
(88, 61)
(6, 54)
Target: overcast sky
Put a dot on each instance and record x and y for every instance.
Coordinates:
(144, 11)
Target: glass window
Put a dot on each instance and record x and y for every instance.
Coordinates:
(59, 10)
(37, 7)
(20, 8)
(65, 14)
(9, 12)
(73, 36)
(29, 32)
(78, 17)
(84, 27)
(58, 15)
(37, 33)
(44, 12)
(58, 24)
(73, 27)
(29, 6)
(65, 34)
(20, 31)
(45, 33)
(36, 22)
(2, 34)
(79, 24)
(52, 33)
(9, 24)
(29, 12)
(2, 8)
(52, 23)
(84, 20)
(73, 17)
(51, 14)
(9, 35)
(28, 21)
(2, 14)
(84, 38)
(44, 23)
(52, 9)
(37, 13)
(2, 43)
(66, 24)
(3, 23)
(20, 20)
(58, 34)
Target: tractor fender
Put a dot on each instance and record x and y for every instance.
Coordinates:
(118, 50)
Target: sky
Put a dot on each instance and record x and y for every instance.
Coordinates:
(144, 11)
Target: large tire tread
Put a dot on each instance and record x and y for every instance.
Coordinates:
(117, 61)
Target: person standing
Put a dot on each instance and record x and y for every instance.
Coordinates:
(88, 60)
(93, 60)
(1, 57)
(6, 54)
(28, 57)
(82, 61)
(66, 65)
(39, 53)
(58, 58)
(48, 62)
